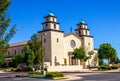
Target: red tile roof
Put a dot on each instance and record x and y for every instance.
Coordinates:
(18, 44)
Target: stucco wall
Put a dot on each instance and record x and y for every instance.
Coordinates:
(57, 48)
(46, 43)
(67, 46)
(65, 68)
(11, 50)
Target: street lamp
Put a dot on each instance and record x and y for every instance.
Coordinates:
(43, 50)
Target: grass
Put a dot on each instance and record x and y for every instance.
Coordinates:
(35, 75)
(32, 74)
(51, 75)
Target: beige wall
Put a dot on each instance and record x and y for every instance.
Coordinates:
(18, 49)
(57, 48)
(47, 45)
(65, 68)
(67, 46)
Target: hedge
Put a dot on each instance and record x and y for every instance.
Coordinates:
(107, 67)
(54, 74)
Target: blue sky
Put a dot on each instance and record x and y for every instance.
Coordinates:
(102, 17)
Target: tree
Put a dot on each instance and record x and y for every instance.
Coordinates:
(5, 34)
(106, 51)
(117, 60)
(101, 62)
(28, 56)
(16, 60)
(35, 45)
(3, 47)
(2, 59)
(79, 53)
(90, 53)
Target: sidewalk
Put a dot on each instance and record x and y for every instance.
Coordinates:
(2, 72)
(71, 77)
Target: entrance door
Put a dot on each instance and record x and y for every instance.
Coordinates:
(65, 61)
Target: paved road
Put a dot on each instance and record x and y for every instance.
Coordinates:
(99, 77)
(24, 79)
(85, 77)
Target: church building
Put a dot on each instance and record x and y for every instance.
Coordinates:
(59, 46)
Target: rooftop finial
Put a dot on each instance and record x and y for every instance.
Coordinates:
(82, 21)
(50, 13)
(71, 29)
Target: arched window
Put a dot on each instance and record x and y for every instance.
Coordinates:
(86, 32)
(46, 26)
(79, 32)
(54, 26)
(57, 40)
(65, 61)
(15, 52)
(53, 19)
(44, 40)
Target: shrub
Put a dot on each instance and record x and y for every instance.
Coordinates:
(45, 69)
(54, 74)
(107, 67)
(18, 69)
(104, 67)
(34, 72)
(114, 67)
(29, 68)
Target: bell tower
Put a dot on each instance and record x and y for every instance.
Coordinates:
(52, 38)
(50, 22)
(82, 29)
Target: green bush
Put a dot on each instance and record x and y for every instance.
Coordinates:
(18, 70)
(45, 69)
(114, 67)
(104, 67)
(54, 74)
(34, 72)
(107, 67)
(99, 68)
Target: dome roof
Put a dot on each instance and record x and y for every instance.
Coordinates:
(50, 14)
(82, 22)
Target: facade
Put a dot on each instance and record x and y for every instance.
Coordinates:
(58, 46)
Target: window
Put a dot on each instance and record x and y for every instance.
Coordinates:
(15, 52)
(65, 61)
(86, 32)
(22, 50)
(88, 43)
(80, 27)
(57, 40)
(46, 26)
(53, 19)
(47, 19)
(79, 32)
(44, 40)
(84, 26)
(54, 26)
(72, 43)
(8, 52)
